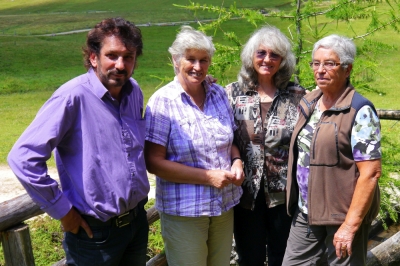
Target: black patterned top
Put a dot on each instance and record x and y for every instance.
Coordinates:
(264, 144)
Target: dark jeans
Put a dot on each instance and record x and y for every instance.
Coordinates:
(110, 245)
(255, 229)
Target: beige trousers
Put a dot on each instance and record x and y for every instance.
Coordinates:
(197, 241)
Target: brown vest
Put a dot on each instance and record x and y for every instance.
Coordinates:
(333, 172)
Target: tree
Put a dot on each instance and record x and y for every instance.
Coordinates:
(307, 22)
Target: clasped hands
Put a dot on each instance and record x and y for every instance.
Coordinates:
(222, 178)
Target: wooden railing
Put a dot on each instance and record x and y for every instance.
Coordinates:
(15, 235)
(388, 114)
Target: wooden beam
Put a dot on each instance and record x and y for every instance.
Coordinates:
(152, 215)
(60, 263)
(158, 260)
(387, 253)
(388, 114)
(17, 210)
(17, 246)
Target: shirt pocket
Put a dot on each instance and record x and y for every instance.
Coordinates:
(221, 128)
(324, 148)
(186, 129)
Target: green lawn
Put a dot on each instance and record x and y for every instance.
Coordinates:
(42, 16)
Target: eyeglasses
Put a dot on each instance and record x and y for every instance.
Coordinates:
(328, 65)
(261, 54)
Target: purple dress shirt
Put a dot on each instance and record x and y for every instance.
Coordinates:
(193, 138)
(98, 145)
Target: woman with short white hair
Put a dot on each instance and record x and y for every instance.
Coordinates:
(189, 135)
(334, 164)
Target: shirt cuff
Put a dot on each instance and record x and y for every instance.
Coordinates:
(61, 207)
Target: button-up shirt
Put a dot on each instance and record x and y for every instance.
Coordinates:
(201, 139)
(264, 144)
(98, 145)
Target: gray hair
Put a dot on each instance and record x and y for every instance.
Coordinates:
(342, 46)
(189, 38)
(275, 40)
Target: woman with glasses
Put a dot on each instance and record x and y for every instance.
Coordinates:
(189, 135)
(264, 103)
(334, 164)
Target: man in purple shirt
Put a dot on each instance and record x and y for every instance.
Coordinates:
(94, 123)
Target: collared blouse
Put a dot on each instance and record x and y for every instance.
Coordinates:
(201, 139)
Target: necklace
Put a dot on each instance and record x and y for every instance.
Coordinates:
(265, 97)
(202, 103)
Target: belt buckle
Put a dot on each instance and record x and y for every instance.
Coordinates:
(122, 220)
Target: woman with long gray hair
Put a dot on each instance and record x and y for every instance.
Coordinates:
(264, 103)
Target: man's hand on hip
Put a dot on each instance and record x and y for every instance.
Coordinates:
(72, 221)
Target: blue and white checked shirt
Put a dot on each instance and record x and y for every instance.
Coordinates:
(193, 138)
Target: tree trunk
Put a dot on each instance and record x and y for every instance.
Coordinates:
(387, 253)
(17, 246)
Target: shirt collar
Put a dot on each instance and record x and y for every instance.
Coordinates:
(179, 91)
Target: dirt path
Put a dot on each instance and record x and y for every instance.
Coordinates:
(10, 187)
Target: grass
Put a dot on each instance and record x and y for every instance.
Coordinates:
(17, 111)
(156, 243)
(45, 16)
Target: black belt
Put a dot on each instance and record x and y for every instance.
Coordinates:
(118, 221)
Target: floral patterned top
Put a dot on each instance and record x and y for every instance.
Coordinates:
(264, 145)
(365, 144)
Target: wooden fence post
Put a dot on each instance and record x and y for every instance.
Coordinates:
(17, 246)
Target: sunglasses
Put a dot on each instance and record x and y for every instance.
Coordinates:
(261, 54)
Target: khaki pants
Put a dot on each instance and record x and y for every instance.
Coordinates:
(197, 241)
